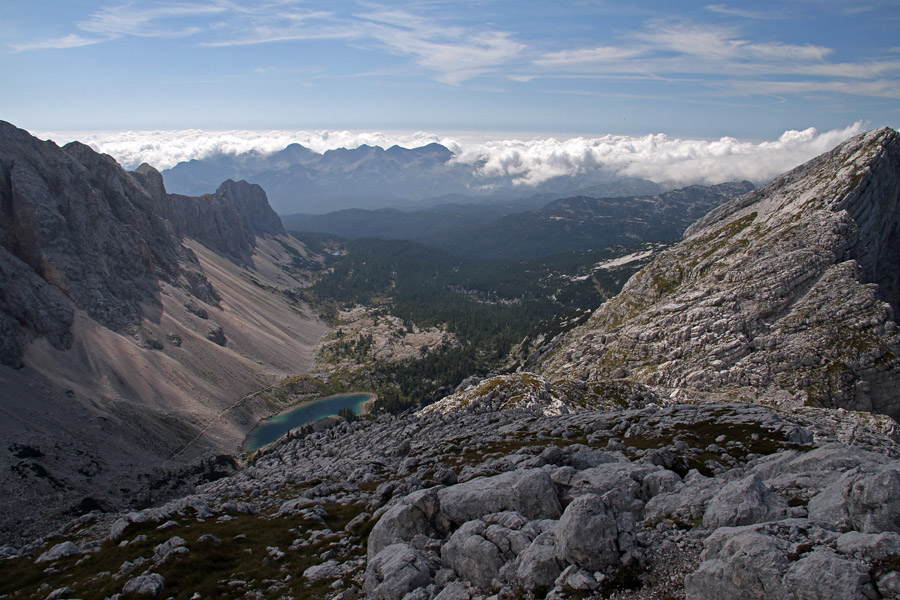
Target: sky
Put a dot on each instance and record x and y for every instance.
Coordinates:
(479, 72)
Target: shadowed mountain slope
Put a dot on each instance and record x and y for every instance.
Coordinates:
(132, 325)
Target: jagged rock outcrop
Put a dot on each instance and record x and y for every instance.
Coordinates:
(790, 291)
(228, 221)
(527, 391)
(77, 230)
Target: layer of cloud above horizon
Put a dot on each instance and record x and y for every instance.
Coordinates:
(657, 157)
(523, 66)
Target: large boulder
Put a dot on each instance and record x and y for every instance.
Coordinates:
(538, 565)
(867, 502)
(151, 585)
(394, 572)
(686, 503)
(413, 515)
(739, 564)
(587, 534)
(482, 551)
(58, 551)
(474, 558)
(869, 546)
(624, 476)
(743, 502)
(529, 492)
(824, 574)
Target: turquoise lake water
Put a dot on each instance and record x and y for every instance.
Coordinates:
(275, 426)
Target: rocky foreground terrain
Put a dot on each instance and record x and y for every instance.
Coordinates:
(615, 470)
(700, 501)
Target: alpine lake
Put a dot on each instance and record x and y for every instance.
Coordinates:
(270, 429)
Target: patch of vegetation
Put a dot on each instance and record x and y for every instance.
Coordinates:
(211, 568)
(491, 307)
(752, 439)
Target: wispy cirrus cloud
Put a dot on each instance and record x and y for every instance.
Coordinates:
(717, 43)
(588, 56)
(454, 53)
(72, 40)
(449, 52)
(287, 24)
(724, 59)
(133, 19)
(745, 13)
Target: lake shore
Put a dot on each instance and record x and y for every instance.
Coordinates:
(304, 412)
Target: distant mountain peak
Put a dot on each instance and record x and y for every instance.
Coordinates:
(299, 180)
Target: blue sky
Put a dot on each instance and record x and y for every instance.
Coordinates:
(528, 67)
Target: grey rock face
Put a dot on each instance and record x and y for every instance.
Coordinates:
(889, 585)
(414, 515)
(771, 291)
(792, 558)
(823, 574)
(587, 534)
(395, 571)
(867, 502)
(687, 502)
(453, 591)
(747, 564)
(472, 556)
(538, 566)
(90, 234)
(229, 220)
(28, 308)
(529, 492)
(743, 502)
(870, 546)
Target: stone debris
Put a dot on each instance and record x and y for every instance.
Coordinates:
(647, 503)
(151, 585)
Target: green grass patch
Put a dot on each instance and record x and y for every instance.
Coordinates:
(209, 568)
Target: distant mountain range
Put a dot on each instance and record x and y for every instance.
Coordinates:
(299, 180)
(517, 230)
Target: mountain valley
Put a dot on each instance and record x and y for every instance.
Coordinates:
(628, 416)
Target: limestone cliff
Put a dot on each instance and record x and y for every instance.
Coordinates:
(229, 220)
(76, 228)
(789, 291)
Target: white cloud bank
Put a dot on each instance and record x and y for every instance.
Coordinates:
(657, 157)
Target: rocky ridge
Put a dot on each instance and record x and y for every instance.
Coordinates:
(365, 335)
(228, 221)
(788, 292)
(77, 231)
